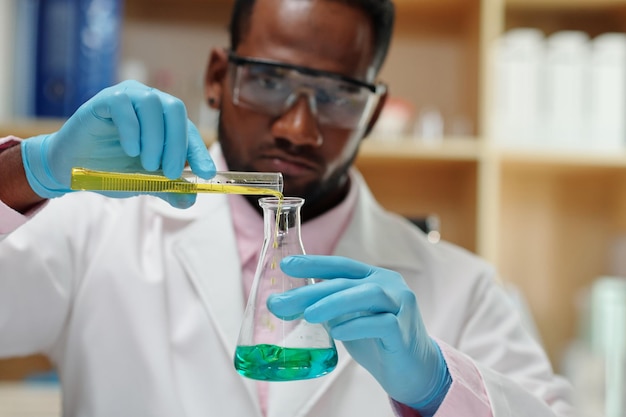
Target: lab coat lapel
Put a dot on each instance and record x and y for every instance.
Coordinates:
(207, 251)
(367, 237)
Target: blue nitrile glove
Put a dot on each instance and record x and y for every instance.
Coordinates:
(375, 314)
(127, 127)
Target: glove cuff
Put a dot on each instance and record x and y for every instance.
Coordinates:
(441, 383)
(37, 169)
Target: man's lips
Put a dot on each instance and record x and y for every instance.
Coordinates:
(291, 166)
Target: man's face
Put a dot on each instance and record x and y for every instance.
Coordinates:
(312, 156)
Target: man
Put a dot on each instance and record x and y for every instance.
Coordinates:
(139, 304)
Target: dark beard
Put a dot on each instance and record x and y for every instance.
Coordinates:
(319, 197)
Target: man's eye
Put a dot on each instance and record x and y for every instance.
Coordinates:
(349, 89)
(267, 80)
(324, 97)
(347, 103)
(338, 98)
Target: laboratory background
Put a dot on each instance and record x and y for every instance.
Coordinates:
(505, 133)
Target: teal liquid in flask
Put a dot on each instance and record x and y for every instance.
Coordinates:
(271, 349)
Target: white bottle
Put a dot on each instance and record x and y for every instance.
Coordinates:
(566, 92)
(608, 337)
(429, 126)
(595, 362)
(608, 93)
(516, 106)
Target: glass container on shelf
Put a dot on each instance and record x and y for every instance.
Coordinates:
(269, 348)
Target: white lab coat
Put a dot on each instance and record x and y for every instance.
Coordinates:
(139, 306)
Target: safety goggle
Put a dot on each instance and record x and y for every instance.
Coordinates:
(272, 88)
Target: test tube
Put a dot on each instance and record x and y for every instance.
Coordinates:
(224, 182)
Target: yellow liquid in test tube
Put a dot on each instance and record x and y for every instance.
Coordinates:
(223, 183)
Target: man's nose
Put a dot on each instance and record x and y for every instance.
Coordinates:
(298, 124)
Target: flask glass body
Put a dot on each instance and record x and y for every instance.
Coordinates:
(271, 349)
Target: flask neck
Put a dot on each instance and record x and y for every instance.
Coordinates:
(282, 219)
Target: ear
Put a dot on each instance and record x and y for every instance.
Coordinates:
(377, 112)
(215, 78)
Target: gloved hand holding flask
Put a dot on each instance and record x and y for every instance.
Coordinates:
(376, 316)
(125, 127)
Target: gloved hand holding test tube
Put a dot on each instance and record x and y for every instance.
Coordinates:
(229, 182)
(130, 139)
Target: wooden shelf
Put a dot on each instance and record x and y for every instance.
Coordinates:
(23, 367)
(444, 8)
(565, 5)
(449, 149)
(561, 159)
(27, 128)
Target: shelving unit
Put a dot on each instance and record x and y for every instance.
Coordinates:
(559, 212)
(547, 220)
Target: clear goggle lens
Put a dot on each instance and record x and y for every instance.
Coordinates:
(272, 89)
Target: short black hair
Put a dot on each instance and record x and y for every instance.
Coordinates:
(380, 12)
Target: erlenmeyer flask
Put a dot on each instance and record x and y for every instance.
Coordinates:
(271, 349)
